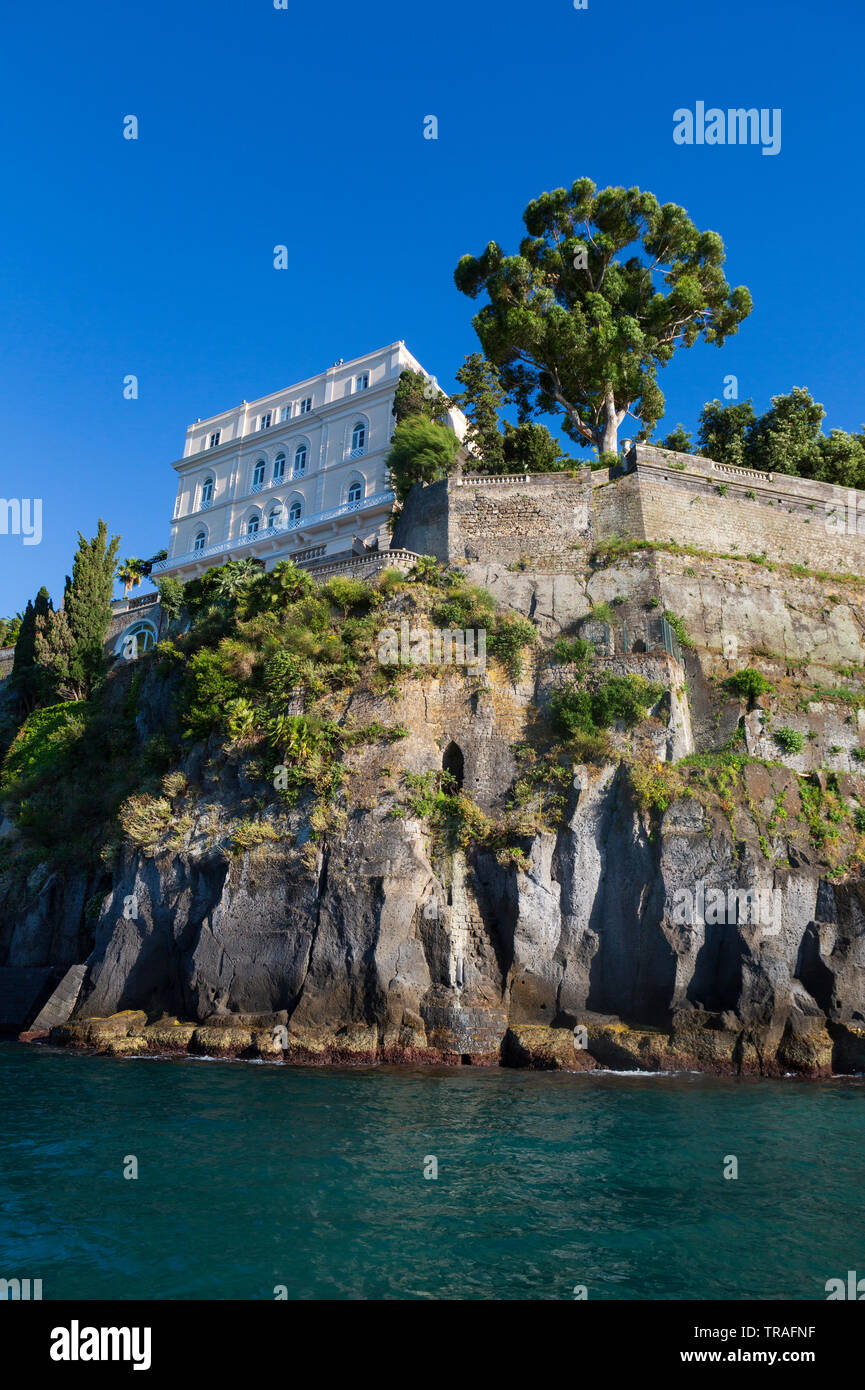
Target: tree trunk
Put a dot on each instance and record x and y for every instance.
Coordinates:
(610, 441)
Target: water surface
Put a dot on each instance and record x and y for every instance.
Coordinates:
(256, 1176)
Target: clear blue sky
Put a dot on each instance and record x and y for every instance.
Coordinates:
(304, 127)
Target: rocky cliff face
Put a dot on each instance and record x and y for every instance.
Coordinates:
(699, 923)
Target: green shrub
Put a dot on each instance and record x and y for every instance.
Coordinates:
(601, 613)
(246, 834)
(465, 606)
(573, 650)
(390, 582)
(209, 688)
(789, 739)
(655, 785)
(40, 743)
(585, 709)
(747, 683)
(240, 718)
(348, 593)
(427, 570)
(678, 626)
(507, 640)
(144, 819)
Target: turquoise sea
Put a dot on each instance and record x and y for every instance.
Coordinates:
(254, 1176)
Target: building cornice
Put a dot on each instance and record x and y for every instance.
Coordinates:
(295, 426)
(299, 386)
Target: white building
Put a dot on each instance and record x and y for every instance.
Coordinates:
(300, 473)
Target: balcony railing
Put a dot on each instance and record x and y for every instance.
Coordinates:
(357, 453)
(283, 527)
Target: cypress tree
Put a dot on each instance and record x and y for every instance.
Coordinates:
(26, 678)
(87, 603)
(480, 399)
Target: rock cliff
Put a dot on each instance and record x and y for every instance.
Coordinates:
(683, 894)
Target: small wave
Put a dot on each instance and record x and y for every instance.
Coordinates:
(609, 1071)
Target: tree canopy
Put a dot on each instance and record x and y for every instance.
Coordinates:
(9, 629)
(786, 438)
(421, 452)
(604, 289)
(415, 395)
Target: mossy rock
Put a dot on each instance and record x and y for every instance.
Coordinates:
(221, 1042)
(705, 1038)
(808, 1051)
(263, 1020)
(125, 1047)
(265, 1045)
(542, 1048)
(356, 1039)
(169, 1035)
(96, 1032)
(624, 1048)
(351, 1044)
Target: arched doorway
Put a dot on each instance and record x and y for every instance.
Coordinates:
(452, 762)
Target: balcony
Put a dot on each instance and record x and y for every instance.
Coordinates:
(269, 533)
(357, 453)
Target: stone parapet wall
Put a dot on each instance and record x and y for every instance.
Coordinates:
(693, 501)
(364, 566)
(539, 521)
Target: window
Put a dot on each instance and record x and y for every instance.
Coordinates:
(358, 439)
(306, 405)
(200, 541)
(207, 492)
(252, 526)
(264, 421)
(275, 516)
(284, 413)
(258, 476)
(361, 383)
(213, 442)
(279, 468)
(300, 455)
(355, 493)
(294, 511)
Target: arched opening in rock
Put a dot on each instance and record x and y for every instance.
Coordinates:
(452, 762)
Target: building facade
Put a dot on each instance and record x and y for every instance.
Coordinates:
(297, 474)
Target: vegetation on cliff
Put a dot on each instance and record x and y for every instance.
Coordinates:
(266, 669)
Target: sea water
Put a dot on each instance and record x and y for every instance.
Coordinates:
(262, 1181)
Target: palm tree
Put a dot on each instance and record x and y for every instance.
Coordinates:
(234, 575)
(130, 574)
